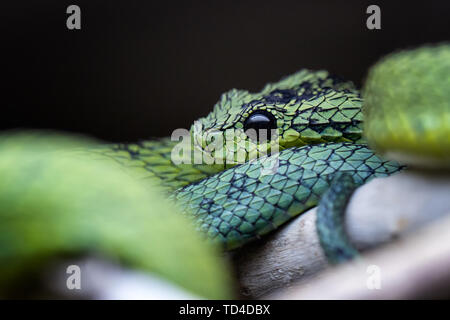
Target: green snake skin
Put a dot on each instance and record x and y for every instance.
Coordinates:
(319, 123)
(240, 204)
(54, 206)
(309, 108)
(330, 219)
(407, 100)
(151, 160)
(53, 203)
(407, 112)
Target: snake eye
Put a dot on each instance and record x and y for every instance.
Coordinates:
(259, 123)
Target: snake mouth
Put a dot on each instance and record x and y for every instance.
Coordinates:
(211, 145)
(231, 146)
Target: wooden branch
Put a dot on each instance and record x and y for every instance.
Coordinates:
(289, 255)
(417, 266)
(388, 207)
(379, 211)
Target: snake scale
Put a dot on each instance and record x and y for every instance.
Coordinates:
(319, 121)
(329, 142)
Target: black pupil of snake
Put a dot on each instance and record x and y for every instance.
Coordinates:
(259, 124)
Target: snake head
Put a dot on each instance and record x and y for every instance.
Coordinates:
(305, 108)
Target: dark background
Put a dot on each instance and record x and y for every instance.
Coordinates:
(138, 69)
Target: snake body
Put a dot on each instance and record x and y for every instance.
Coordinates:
(240, 204)
(308, 108)
(319, 119)
(319, 122)
(52, 204)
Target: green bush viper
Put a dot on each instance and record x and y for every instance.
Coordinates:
(319, 120)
